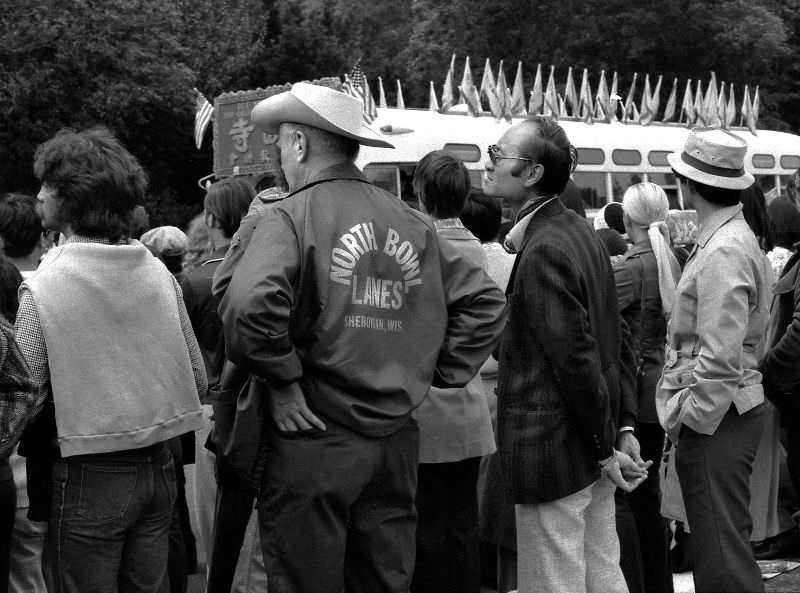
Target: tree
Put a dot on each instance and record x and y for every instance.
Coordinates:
(84, 63)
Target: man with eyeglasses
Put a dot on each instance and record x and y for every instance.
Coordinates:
(559, 387)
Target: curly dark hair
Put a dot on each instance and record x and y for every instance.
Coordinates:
(97, 181)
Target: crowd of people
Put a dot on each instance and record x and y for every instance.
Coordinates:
(378, 397)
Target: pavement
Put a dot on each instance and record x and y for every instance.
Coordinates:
(787, 581)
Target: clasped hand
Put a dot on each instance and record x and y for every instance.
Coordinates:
(632, 469)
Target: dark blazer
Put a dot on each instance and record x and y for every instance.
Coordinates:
(559, 376)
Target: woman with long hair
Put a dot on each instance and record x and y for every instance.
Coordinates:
(646, 278)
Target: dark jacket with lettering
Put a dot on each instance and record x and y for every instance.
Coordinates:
(346, 290)
(559, 387)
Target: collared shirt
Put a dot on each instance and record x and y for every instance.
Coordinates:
(718, 321)
(513, 242)
(30, 338)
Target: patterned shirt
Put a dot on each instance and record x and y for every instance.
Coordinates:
(30, 338)
(17, 391)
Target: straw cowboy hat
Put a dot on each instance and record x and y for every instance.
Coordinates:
(713, 157)
(320, 107)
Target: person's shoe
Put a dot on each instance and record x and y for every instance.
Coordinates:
(775, 546)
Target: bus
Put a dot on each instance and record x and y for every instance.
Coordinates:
(611, 156)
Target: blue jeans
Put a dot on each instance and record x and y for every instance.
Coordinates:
(109, 522)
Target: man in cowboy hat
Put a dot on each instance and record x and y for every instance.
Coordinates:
(710, 400)
(348, 307)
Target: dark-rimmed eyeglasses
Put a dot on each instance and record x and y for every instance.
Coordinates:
(494, 157)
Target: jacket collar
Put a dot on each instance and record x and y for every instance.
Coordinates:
(788, 276)
(338, 171)
(217, 255)
(642, 247)
(715, 221)
(544, 207)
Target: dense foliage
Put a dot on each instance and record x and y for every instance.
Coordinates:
(131, 64)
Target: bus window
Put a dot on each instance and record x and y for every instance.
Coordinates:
(658, 158)
(790, 161)
(668, 184)
(763, 161)
(384, 176)
(592, 187)
(622, 181)
(469, 153)
(591, 156)
(626, 157)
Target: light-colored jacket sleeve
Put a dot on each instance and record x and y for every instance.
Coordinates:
(476, 317)
(725, 283)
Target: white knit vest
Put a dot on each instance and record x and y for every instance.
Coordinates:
(120, 370)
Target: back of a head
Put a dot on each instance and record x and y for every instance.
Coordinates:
(719, 196)
(20, 225)
(96, 181)
(442, 183)
(613, 216)
(10, 279)
(482, 215)
(645, 203)
(548, 145)
(228, 201)
(784, 222)
(167, 243)
(327, 145)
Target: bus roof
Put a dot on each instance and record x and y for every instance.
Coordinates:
(416, 132)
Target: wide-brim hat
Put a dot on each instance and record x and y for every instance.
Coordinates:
(320, 107)
(713, 157)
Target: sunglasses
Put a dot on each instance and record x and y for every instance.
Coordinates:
(494, 157)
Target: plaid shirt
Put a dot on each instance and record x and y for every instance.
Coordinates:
(17, 391)
(31, 342)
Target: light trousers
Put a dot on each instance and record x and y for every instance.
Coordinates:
(570, 544)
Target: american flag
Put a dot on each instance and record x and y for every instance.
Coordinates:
(357, 86)
(202, 117)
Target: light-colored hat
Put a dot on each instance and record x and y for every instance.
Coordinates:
(320, 107)
(165, 240)
(713, 157)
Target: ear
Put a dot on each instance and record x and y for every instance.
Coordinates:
(535, 173)
(300, 145)
(210, 221)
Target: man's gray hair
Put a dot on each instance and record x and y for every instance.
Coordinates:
(328, 143)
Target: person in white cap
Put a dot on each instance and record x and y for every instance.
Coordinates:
(710, 397)
(347, 306)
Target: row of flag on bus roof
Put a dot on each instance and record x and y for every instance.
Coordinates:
(710, 108)
(714, 106)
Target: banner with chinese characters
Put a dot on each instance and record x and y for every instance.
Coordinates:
(240, 148)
